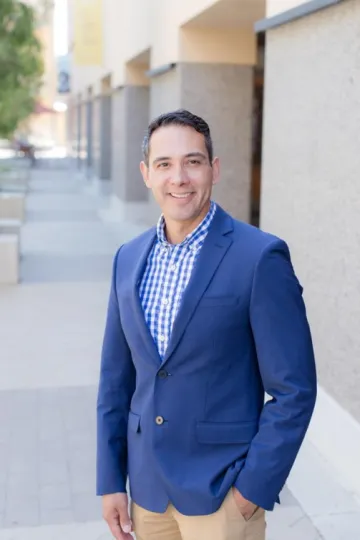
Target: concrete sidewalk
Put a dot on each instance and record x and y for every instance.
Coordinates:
(50, 333)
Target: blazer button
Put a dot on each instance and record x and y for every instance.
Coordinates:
(163, 374)
(159, 420)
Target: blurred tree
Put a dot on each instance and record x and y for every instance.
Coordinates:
(21, 64)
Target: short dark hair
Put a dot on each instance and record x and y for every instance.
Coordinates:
(180, 117)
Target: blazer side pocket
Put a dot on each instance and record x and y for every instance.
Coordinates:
(226, 433)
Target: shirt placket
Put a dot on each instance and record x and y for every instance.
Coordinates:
(163, 338)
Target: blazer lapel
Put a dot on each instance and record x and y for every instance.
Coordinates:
(142, 255)
(212, 252)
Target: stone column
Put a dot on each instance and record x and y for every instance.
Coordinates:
(222, 94)
(104, 162)
(95, 163)
(78, 134)
(83, 134)
(89, 135)
(130, 112)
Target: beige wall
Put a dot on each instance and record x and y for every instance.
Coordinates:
(165, 42)
(187, 31)
(114, 39)
(217, 17)
(135, 75)
(138, 27)
(218, 46)
(310, 185)
(166, 21)
(187, 9)
(274, 7)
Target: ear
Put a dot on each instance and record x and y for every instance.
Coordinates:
(216, 170)
(145, 173)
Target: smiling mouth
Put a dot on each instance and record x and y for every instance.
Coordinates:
(181, 195)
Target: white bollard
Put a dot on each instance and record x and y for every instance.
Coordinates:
(9, 259)
(12, 206)
(10, 226)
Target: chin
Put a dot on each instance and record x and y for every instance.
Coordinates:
(181, 215)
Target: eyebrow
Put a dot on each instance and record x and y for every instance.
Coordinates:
(161, 158)
(190, 154)
(196, 154)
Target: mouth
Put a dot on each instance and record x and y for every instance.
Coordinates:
(182, 195)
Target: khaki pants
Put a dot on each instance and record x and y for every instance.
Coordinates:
(225, 524)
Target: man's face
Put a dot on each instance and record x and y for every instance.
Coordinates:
(180, 174)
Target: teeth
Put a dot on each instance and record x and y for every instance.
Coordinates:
(180, 196)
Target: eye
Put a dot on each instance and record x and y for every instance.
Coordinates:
(163, 165)
(194, 162)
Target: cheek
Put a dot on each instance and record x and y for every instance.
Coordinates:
(158, 185)
(200, 181)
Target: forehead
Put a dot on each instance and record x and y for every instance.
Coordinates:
(172, 140)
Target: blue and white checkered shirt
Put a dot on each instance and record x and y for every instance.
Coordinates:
(166, 276)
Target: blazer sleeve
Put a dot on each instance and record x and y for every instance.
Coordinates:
(287, 368)
(116, 387)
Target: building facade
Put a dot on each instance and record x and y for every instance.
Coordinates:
(279, 83)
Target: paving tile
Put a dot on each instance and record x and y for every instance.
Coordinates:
(76, 531)
(17, 487)
(83, 482)
(86, 507)
(21, 513)
(300, 529)
(22, 480)
(52, 516)
(3, 472)
(315, 486)
(55, 497)
(53, 472)
(344, 526)
(2, 498)
(287, 498)
(286, 515)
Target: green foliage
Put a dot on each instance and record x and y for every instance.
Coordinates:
(21, 65)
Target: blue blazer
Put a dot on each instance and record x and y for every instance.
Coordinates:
(186, 429)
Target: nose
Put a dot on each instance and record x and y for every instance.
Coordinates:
(179, 176)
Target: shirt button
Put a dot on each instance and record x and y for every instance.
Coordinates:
(173, 267)
(165, 301)
(159, 420)
(162, 338)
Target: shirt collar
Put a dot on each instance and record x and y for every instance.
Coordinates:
(196, 238)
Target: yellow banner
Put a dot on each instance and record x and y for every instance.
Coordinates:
(88, 32)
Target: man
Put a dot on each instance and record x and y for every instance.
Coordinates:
(205, 316)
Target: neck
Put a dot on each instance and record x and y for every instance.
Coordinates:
(177, 231)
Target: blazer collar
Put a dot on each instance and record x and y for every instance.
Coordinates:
(215, 247)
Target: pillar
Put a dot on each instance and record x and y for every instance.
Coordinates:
(222, 94)
(215, 79)
(130, 106)
(89, 135)
(96, 127)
